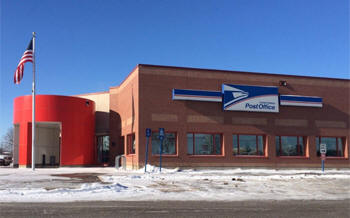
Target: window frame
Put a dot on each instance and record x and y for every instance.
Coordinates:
(298, 148)
(257, 145)
(337, 148)
(213, 137)
(176, 149)
(129, 145)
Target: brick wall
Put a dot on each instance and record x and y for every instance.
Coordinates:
(157, 109)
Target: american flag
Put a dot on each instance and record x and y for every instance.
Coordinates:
(26, 57)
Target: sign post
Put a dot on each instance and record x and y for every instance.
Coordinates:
(161, 137)
(323, 151)
(148, 134)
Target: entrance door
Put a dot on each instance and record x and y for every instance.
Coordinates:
(47, 145)
(103, 149)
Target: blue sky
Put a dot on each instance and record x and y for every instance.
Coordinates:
(88, 45)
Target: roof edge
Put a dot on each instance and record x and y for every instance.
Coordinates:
(131, 72)
(235, 71)
(92, 93)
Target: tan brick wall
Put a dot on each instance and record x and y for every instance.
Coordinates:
(164, 117)
(124, 117)
(101, 100)
(204, 119)
(291, 122)
(330, 124)
(249, 121)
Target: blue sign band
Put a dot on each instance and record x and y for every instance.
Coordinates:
(297, 100)
(197, 95)
(300, 98)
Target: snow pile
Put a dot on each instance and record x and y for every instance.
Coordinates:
(48, 185)
(156, 169)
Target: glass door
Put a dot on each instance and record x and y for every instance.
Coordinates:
(103, 149)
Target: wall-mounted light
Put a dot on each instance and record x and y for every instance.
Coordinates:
(283, 83)
(87, 103)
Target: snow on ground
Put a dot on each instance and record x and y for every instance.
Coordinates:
(225, 184)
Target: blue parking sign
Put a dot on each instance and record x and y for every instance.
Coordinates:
(161, 137)
(161, 133)
(148, 132)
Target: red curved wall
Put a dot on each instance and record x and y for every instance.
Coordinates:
(77, 120)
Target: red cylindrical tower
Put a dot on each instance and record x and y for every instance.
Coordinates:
(76, 117)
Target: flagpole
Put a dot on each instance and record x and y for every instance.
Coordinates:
(33, 107)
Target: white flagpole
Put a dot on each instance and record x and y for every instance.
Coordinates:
(33, 107)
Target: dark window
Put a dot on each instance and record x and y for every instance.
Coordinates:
(248, 145)
(204, 144)
(335, 146)
(290, 146)
(131, 146)
(169, 143)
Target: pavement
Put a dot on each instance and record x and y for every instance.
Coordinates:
(152, 209)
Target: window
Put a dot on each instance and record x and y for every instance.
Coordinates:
(204, 144)
(248, 145)
(335, 146)
(131, 143)
(290, 146)
(169, 143)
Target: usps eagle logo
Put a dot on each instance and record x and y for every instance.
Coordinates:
(238, 95)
